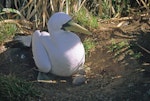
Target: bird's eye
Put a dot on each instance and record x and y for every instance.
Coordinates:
(66, 25)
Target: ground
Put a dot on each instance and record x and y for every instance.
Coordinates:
(109, 78)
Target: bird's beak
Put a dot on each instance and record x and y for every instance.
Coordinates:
(72, 26)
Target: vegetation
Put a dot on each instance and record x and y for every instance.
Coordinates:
(89, 45)
(123, 47)
(14, 89)
(86, 19)
(7, 31)
(116, 46)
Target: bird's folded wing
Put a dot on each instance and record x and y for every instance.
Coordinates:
(40, 55)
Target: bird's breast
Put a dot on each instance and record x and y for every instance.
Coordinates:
(67, 55)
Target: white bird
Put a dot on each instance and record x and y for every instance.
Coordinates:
(60, 51)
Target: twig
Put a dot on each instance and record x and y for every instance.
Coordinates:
(143, 48)
(125, 18)
(52, 7)
(138, 2)
(81, 5)
(67, 6)
(144, 4)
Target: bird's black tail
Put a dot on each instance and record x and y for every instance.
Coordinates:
(19, 41)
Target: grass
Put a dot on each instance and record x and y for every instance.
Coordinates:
(86, 19)
(7, 31)
(105, 14)
(116, 46)
(123, 47)
(89, 45)
(14, 89)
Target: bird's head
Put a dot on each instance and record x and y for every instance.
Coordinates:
(62, 21)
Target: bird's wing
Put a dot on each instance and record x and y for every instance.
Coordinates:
(40, 55)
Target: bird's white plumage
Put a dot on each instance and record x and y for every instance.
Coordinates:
(59, 52)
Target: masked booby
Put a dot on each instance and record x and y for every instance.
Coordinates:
(58, 51)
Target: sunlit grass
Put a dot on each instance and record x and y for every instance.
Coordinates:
(117, 46)
(86, 19)
(89, 45)
(7, 31)
(123, 47)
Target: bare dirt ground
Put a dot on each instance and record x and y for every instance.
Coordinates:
(108, 78)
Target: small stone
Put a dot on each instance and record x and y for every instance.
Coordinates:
(82, 72)
(22, 56)
(130, 85)
(78, 80)
(148, 92)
